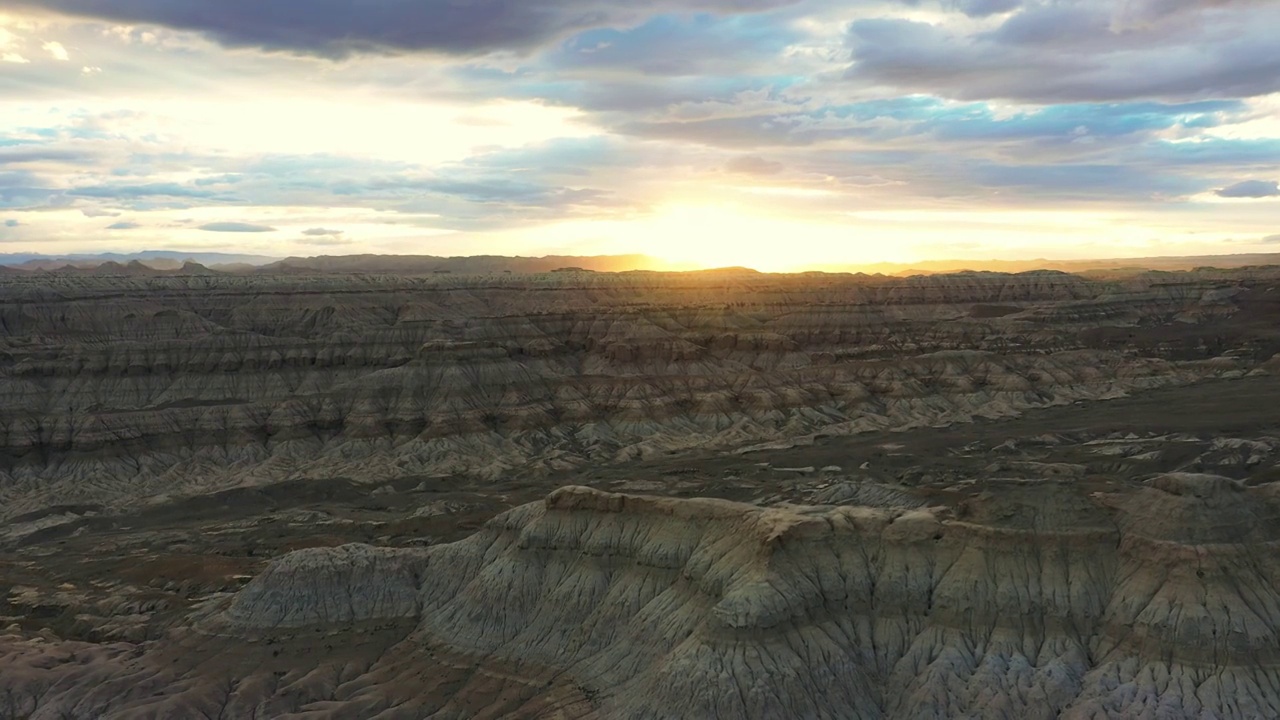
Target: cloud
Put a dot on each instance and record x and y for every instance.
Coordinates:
(983, 8)
(337, 28)
(56, 49)
(753, 165)
(139, 191)
(994, 104)
(1270, 239)
(1099, 182)
(491, 189)
(679, 45)
(1250, 189)
(1226, 153)
(235, 227)
(779, 122)
(325, 241)
(29, 154)
(23, 190)
(565, 157)
(1080, 51)
(1145, 11)
(14, 58)
(11, 223)
(124, 225)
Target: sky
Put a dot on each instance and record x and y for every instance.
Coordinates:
(777, 134)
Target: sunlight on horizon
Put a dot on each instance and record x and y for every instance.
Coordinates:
(125, 136)
(720, 235)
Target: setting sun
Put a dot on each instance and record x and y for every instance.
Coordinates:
(722, 235)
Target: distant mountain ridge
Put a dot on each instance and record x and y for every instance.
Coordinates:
(1165, 263)
(156, 259)
(175, 262)
(476, 264)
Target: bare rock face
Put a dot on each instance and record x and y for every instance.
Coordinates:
(118, 389)
(1159, 602)
(163, 434)
(325, 586)
(710, 609)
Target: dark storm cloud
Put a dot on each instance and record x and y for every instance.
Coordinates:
(125, 225)
(1086, 51)
(235, 227)
(336, 28)
(1250, 189)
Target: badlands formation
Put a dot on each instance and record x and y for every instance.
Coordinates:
(120, 390)
(639, 495)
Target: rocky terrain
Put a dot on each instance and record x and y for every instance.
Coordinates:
(578, 494)
(123, 390)
(1062, 595)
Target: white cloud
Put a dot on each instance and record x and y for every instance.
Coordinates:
(7, 38)
(359, 125)
(55, 48)
(14, 58)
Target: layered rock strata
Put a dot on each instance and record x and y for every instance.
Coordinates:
(1156, 602)
(117, 390)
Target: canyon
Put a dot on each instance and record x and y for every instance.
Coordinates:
(572, 494)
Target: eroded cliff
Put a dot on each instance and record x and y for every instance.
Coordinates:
(122, 389)
(1039, 600)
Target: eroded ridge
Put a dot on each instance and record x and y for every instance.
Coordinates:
(121, 390)
(1164, 606)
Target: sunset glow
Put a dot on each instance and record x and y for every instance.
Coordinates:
(776, 134)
